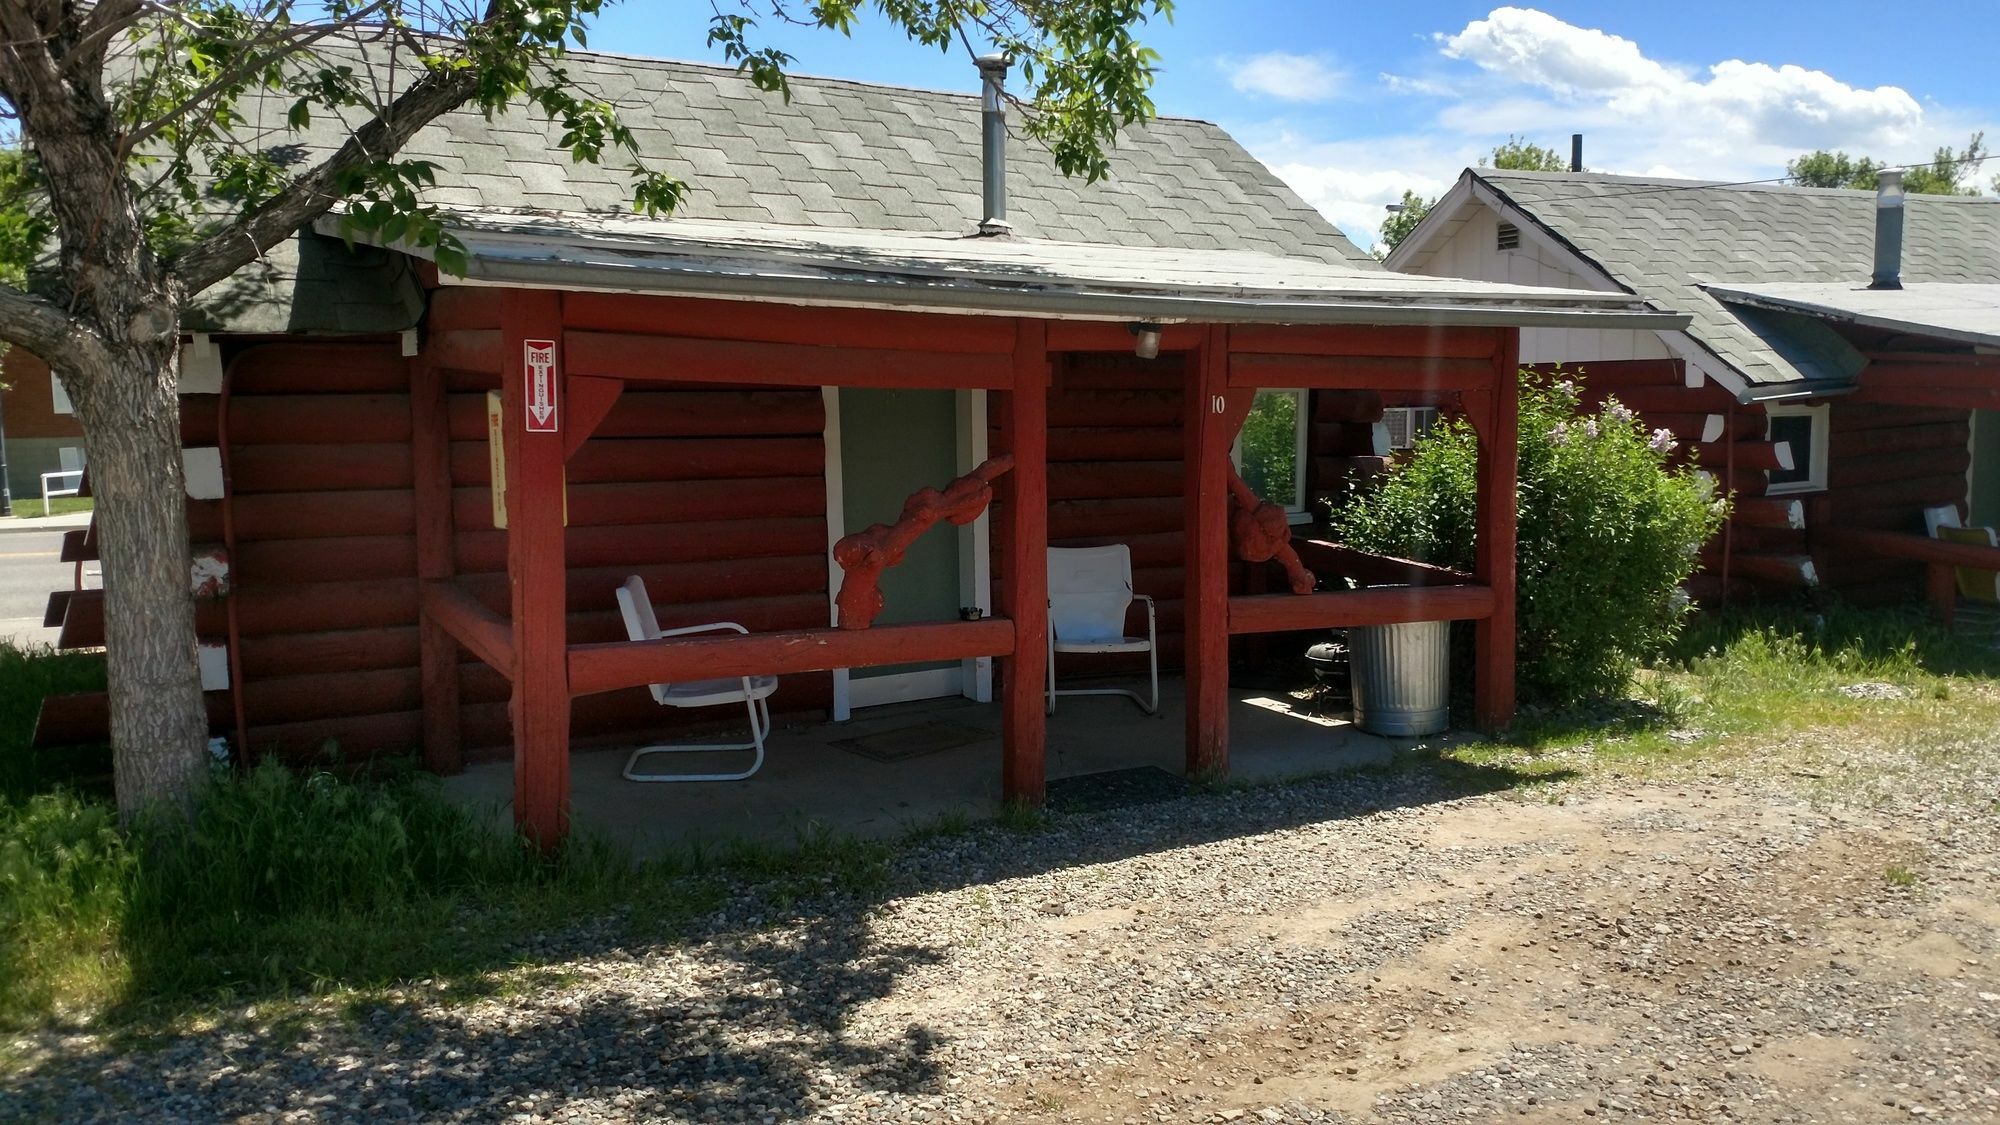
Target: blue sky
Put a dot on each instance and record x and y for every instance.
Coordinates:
(1352, 102)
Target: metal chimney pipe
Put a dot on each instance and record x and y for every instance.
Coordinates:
(1888, 230)
(993, 147)
(1576, 152)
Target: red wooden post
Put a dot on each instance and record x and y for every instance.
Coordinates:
(1024, 592)
(1941, 587)
(533, 405)
(1493, 559)
(1214, 413)
(430, 460)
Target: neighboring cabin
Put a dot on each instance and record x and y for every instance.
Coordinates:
(42, 433)
(1814, 397)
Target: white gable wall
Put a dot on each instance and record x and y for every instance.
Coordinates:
(1471, 250)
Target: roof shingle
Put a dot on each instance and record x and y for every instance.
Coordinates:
(838, 154)
(1664, 239)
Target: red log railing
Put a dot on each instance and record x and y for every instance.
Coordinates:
(1942, 558)
(1372, 569)
(484, 633)
(1344, 609)
(595, 668)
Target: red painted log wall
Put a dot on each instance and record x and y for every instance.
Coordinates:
(714, 496)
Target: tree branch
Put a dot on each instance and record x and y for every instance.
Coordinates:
(288, 44)
(38, 325)
(313, 194)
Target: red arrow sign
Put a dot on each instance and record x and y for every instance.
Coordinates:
(544, 412)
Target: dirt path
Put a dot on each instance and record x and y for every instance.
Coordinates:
(1676, 952)
(1367, 948)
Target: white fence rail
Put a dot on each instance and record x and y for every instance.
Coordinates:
(75, 489)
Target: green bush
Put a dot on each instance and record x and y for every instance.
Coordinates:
(1607, 533)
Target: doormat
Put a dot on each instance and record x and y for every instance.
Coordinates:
(904, 743)
(1116, 789)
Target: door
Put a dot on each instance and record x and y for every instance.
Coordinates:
(883, 445)
(1983, 478)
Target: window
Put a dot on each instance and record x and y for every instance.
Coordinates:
(58, 398)
(1803, 430)
(1271, 452)
(1507, 237)
(1408, 423)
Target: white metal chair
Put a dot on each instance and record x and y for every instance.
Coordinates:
(754, 692)
(1090, 592)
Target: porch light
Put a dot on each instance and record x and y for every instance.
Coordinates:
(1148, 346)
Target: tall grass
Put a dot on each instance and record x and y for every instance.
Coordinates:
(287, 880)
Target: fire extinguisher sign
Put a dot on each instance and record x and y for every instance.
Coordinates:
(544, 410)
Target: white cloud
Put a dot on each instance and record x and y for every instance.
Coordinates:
(1285, 76)
(1584, 68)
(1519, 71)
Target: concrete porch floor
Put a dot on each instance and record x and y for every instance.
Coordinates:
(808, 781)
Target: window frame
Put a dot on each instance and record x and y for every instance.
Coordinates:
(1411, 413)
(1298, 511)
(59, 402)
(1820, 414)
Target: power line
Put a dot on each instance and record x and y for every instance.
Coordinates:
(1788, 178)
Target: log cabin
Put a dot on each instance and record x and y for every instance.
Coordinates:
(1831, 379)
(416, 492)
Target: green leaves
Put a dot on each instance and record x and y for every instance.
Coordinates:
(1087, 76)
(230, 104)
(1609, 527)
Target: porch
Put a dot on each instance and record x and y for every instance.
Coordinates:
(603, 356)
(909, 765)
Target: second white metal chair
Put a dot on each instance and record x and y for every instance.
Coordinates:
(1090, 594)
(754, 692)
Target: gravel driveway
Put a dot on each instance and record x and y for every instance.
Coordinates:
(1368, 948)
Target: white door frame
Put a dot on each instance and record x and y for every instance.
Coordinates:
(973, 679)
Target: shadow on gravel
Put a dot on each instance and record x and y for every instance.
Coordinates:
(752, 1024)
(747, 1034)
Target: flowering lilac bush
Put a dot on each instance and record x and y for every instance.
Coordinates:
(1608, 532)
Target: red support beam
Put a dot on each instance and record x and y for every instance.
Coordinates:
(590, 400)
(1358, 373)
(1346, 609)
(676, 359)
(1493, 556)
(1214, 412)
(756, 321)
(535, 567)
(595, 668)
(1024, 582)
(430, 463)
(464, 619)
(1410, 342)
(1116, 336)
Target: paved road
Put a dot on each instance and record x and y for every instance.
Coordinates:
(30, 567)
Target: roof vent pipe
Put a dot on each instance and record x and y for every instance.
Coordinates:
(1576, 152)
(1888, 230)
(993, 153)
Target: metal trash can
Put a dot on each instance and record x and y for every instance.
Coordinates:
(1401, 677)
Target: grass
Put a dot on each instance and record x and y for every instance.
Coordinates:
(1748, 678)
(294, 882)
(30, 507)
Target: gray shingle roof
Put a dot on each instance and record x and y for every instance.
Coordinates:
(956, 272)
(839, 154)
(1664, 239)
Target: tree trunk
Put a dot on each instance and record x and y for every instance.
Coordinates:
(159, 724)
